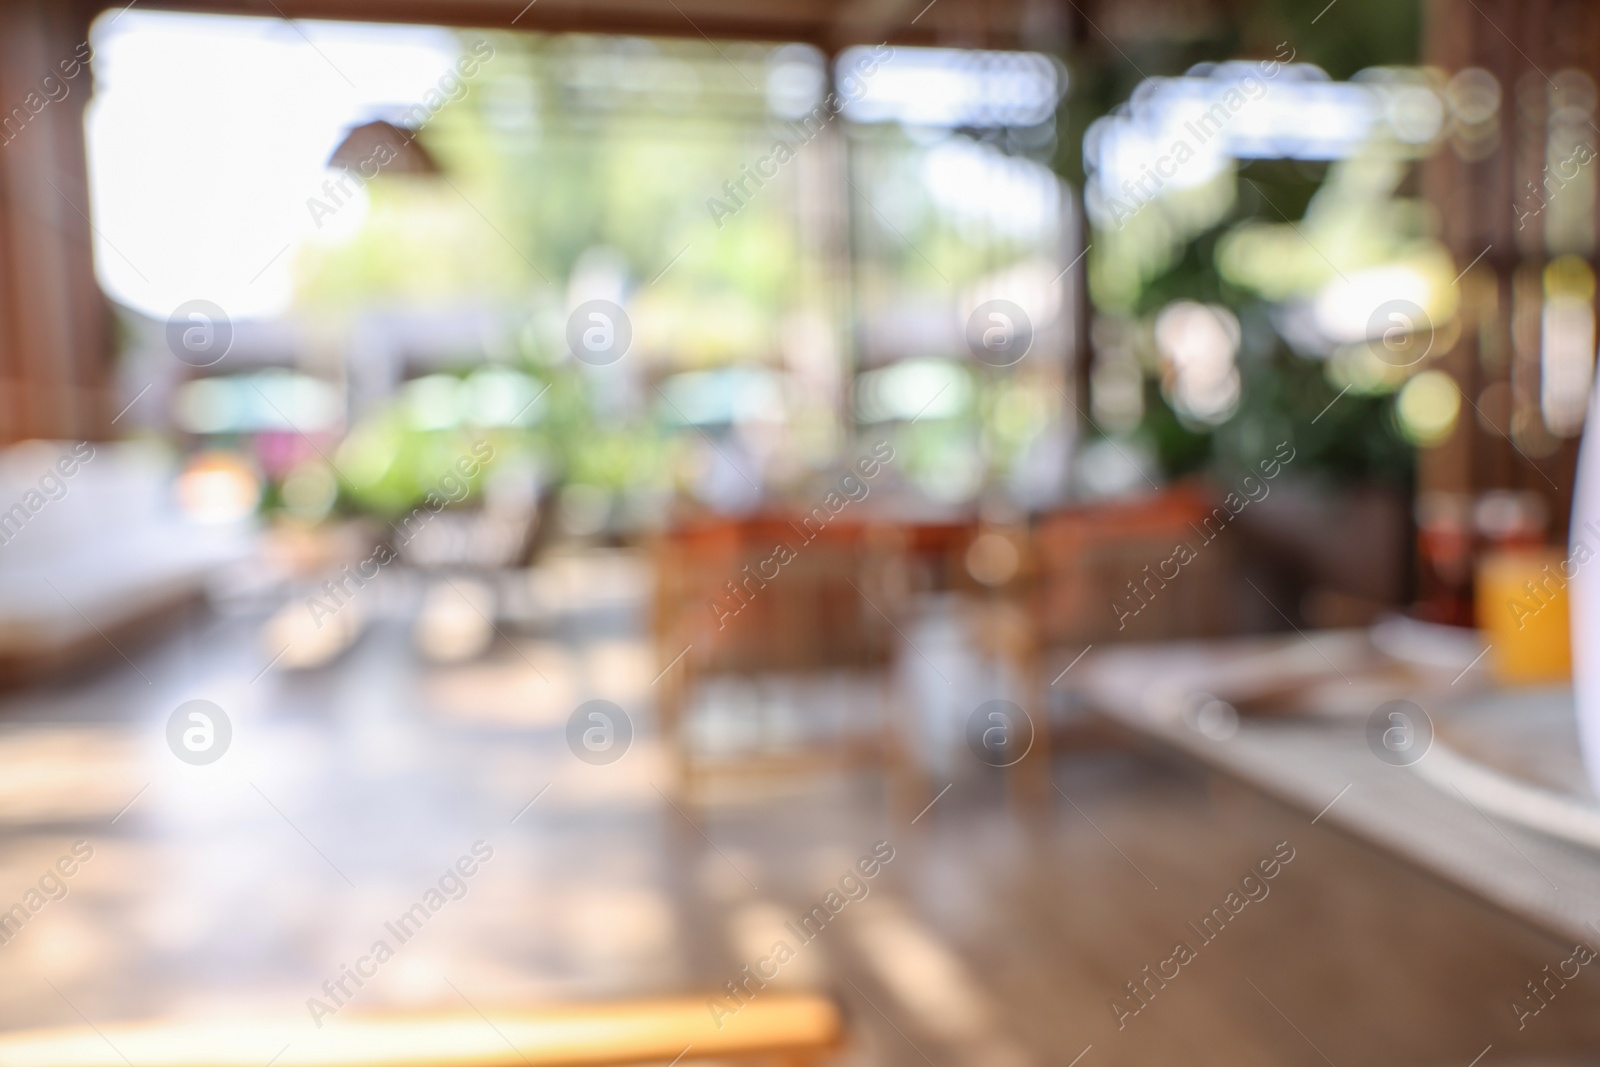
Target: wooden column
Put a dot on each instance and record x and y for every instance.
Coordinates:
(54, 321)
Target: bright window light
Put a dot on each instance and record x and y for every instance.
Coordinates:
(201, 193)
(949, 87)
(251, 403)
(915, 388)
(1180, 133)
(1199, 343)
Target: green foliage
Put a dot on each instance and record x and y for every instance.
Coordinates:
(1281, 392)
(1180, 449)
(1348, 35)
(389, 467)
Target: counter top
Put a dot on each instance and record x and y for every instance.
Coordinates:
(1324, 766)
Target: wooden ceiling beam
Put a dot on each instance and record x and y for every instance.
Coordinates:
(830, 25)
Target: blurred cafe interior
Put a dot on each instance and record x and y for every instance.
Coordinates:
(1013, 533)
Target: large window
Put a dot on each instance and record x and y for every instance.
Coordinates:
(656, 270)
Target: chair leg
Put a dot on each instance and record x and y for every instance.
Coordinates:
(675, 690)
(1030, 777)
(906, 777)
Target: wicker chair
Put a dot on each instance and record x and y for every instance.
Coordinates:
(770, 595)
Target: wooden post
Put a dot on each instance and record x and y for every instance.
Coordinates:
(54, 336)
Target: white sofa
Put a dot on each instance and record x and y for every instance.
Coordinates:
(93, 548)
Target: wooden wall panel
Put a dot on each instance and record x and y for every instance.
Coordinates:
(1526, 45)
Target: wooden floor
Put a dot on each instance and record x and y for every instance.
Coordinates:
(989, 939)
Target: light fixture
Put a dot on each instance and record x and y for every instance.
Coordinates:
(381, 146)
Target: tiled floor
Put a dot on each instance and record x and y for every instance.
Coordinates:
(989, 939)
